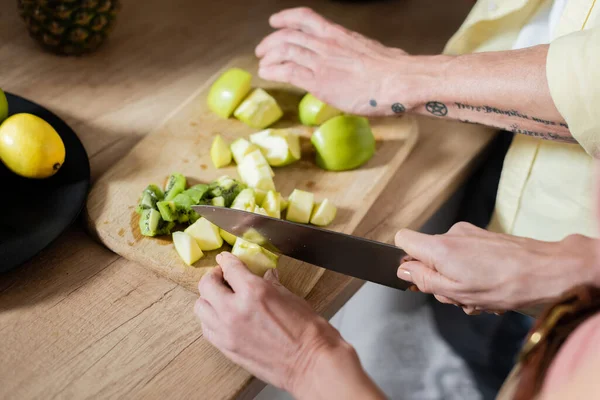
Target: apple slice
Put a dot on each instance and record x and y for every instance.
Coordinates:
(220, 154)
(260, 195)
(228, 237)
(300, 206)
(218, 201)
(206, 234)
(187, 247)
(244, 201)
(272, 204)
(258, 110)
(256, 172)
(323, 213)
(257, 259)
(313, 111)
(284, 204)
(228, 91)
(261, 211)
(240, 147)
(280, 146)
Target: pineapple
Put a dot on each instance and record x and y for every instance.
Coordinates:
(69, 27)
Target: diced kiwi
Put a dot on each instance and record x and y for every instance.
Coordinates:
(168, 210)
(175, 185)
(197, 192)
(183, 205)
(150, 196)
(225, 187)
(150, 222)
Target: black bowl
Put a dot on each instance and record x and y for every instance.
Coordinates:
(35, 212)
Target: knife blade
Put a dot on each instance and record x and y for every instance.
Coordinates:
(349, 255)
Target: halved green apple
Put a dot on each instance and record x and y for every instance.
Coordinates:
(313, 111)
(300, 206)
(323, 213)
(228, 91)
(220, 154)
(258, 110)
(344, 142)
(280, 146)
(257, 259)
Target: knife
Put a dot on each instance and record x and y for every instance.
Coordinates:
(349, 255)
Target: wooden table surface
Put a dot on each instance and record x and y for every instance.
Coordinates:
(79, 321)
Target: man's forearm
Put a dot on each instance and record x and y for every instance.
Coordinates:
(506, 90)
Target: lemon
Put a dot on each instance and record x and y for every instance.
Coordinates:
(30, 147)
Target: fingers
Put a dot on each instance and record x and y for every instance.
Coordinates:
(206, 313)
(290, 52)
(427, 279)
(288, 72)
(304, 19)
(287, 36)
(235, 271)
(418, 245)
(212, 287)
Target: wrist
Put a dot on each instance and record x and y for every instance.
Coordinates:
(414, 81)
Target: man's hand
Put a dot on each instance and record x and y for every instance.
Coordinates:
(481, 270)
(263, 327)
(338, 66)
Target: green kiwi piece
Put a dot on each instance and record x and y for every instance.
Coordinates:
(150, 196)
(149, 222)
(175, 185)
(197, 192)
(225, 187)
(168, 210)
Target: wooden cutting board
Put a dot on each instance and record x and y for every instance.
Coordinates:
(182, 144)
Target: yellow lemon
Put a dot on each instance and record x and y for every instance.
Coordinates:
(30, 147)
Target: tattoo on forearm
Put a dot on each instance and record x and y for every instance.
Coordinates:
(372, 103)
(548, 135)
(436, 108)
(510, 113)
(398, 108)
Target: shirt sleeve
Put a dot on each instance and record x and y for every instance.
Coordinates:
(573, 73)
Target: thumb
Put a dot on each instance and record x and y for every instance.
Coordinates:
(272, 276)
(427, 279)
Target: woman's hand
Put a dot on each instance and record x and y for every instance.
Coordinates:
(338, 66)
(480, 270)
(263, 327)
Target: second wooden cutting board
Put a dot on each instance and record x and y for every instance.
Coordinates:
(182, 144)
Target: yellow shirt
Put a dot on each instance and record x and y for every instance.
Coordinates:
(546, 189)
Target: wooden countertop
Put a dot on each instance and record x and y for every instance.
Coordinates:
(78, 320)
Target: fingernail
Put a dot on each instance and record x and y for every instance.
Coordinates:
(406, 275)
(413, 288)
(219, 257)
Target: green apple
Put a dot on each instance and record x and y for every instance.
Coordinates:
(206, 234)
(300, 206)
(280, 146)
(228, 237)
(218, 201)
(258, 110)
(260, 195)
(240, 147)
(323, 213)
(344, 142)
(3, 106)
(220, 154)
(244, 201)
(257, 259)
(256, 172)
(260, 210)
(187, 247)
(313, 111)
(272, 204)
(228, 91)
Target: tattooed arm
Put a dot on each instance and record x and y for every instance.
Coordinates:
(506, 90)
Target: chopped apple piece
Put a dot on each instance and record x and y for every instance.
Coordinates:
(259, 195)
(323, 213)
(240, 147)
(228, 91)
(279, 146)
(258, 110)
(260, 210)
(272, 204)
(300, 206)
(257, 259)
(228, 237)
(206, 234)
(220, 154)
(245, 200)
(218, 201)
(284, 204)
(256, 172)
(187, 247)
